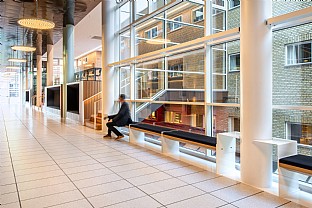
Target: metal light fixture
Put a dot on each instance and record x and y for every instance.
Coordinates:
(23, 48)
(17, 60)
(36, 23)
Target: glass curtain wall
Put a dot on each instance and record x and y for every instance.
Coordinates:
(170, 90)
(198, 89)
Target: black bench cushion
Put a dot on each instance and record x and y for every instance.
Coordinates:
(198, 138)
(152, 128)
(301, 161)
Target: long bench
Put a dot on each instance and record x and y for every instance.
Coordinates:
(137, 132)
(289, 168)
(170, 138)
(150, 129)
(171, 141)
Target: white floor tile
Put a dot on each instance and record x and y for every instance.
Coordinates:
(183, 171)
(129, 167)
(52, 200)
(5, 189)
(176, 195)
(36, 170)
(215, 184)
(160, 186)
(79, 204)
(260, 200)
(47, 190)
(151, 178)
(144, 202)
(97, 180)
(116, 197)
(83, 168)
(203, 201)
(109, 173)
(9, 198)
(42, 183)
(105, 188)
(292, 205)
(38, 176)
(138, 172)
(89, 174)
(198, 177)
(170, 166)
(12, 205)
(235, 192)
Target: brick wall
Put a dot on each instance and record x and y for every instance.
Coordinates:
(291, 85)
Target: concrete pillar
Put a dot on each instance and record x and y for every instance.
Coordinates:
(39, 70)
(50, 59)
(256, 92)
(108, 52)
(68, 52)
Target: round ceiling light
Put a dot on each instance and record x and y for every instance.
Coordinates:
(17, 60)
(23, 48)
(12, 67)
(36, 23)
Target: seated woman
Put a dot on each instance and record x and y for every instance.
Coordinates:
(122, 118)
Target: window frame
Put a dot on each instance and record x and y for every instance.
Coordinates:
(288, 132)
(192, 16)
(150, 30)
(294, 61)
(229, 57)
(233, 7)
(173, 23)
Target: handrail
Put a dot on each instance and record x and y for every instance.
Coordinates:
(152, 99)
(95, 112)
(138, 78)
(99, 93)
(300, 16)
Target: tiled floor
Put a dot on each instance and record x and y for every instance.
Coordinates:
(46, 163)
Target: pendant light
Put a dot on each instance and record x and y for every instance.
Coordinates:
(23, 47)
(17, 60)
(36, 23)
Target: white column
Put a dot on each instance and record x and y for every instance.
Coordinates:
(39, 70)
(50, 64)
(108, 39)
(256, 92)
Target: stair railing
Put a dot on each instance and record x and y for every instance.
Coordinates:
(153, 98)
(89, 103)
(97, 108)
(126, 82)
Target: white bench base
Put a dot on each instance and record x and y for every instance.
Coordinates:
(170, 147)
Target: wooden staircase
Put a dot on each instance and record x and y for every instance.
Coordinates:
(90, 122)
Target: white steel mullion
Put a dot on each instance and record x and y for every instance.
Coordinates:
(207, 69)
